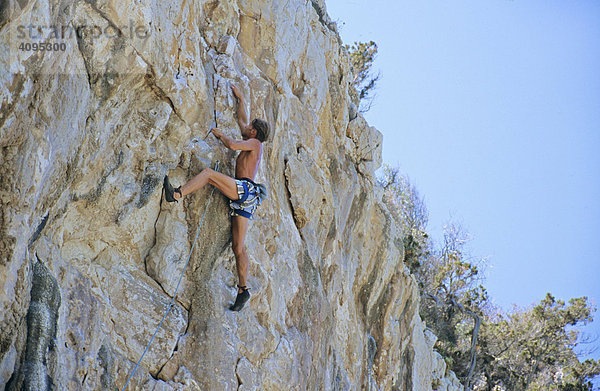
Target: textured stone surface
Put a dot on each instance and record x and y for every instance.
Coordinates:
(90, 255)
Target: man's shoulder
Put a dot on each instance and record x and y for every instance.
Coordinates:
(251, 141)
(255, 143)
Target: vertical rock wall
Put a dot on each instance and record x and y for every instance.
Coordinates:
(90, 254)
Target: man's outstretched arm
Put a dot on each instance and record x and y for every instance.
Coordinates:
(236, 145)
(242, 116)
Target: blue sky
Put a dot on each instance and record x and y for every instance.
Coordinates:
(493, 110)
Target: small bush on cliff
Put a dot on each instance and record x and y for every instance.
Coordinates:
(362, 55)
(529, 349)
(408, 208)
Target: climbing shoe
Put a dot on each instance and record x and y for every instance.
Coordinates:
(170, 190)
(241, 299)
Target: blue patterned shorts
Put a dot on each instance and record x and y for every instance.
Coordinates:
(251, 195)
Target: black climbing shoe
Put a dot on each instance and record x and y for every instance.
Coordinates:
(170, 190)
(241, 299)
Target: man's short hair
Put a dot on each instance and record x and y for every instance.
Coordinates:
(262, 129)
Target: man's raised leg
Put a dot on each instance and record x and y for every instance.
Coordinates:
(224, 183)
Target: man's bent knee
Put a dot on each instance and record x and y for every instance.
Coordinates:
(238, 249)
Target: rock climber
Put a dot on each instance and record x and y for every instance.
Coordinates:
(244, 194)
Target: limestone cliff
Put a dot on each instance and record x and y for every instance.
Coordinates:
(90, 253)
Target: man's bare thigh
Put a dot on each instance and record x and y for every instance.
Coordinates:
(226, 184)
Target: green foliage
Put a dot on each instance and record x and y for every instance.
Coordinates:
(453, 299)
(528, 349)
(534, 349)
(362, 55)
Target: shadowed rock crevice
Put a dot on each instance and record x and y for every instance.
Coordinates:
(404, 378)
(38, 230)
(40, 359)
(107, 363)
(149, 184)
(298, 214)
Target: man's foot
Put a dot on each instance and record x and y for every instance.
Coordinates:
(241, 299)
(170, 191)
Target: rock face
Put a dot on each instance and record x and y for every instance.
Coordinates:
(90, 254)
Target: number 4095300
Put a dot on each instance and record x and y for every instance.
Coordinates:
(43, 46)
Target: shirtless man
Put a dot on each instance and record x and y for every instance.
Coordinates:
(243, 193)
